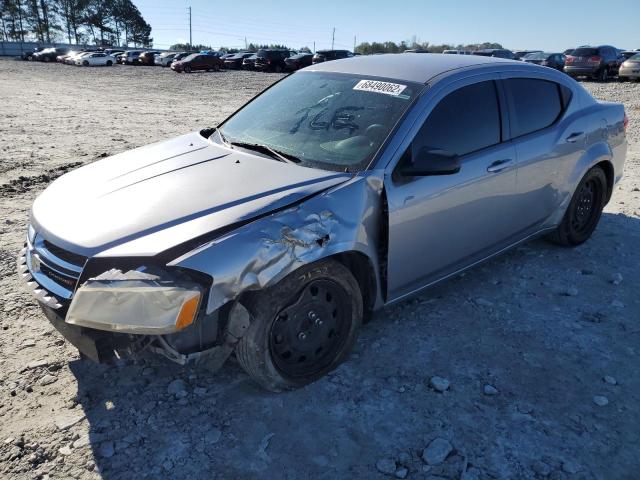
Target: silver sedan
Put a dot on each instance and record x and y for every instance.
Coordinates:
(345, 187)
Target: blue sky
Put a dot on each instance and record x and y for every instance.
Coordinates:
(544, 24)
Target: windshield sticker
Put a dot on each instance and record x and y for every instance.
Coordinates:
(386, 88)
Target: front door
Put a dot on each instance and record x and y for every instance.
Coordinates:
(439, 224)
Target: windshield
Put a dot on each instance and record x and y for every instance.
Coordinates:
(326, 120)
(536, 56)
(585, 52)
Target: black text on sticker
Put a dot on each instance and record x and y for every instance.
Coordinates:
(380, 87)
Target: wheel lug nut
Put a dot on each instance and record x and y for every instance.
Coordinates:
(302, 335)
(318, 322)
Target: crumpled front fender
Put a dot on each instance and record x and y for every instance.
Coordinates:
(257, 255)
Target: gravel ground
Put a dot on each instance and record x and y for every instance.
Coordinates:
(526, 367)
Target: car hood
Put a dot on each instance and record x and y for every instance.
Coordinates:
(146, 200)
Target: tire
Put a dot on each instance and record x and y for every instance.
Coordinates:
(46, 59)
(603, 75)
(187, 69)
(216, 68)
(584, 211)
(287, 326)
(109, 63)
(85, 63)
(278, 69)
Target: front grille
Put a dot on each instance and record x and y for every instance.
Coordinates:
(49, 271)
(64, 254)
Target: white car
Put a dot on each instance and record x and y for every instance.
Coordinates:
(95, 59)
(165, 59)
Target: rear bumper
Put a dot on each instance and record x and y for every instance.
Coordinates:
(581, 70)
(629, 72)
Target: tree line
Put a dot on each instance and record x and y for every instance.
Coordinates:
(367, 48)
(100, 22)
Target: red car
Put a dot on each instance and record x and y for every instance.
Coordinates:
(197, 61)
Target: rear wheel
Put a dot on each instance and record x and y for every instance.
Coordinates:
(47, 59)
(603, 75)
(584, 211)
(109, 63)
(302, 328)
(216, 68)
(278, 69)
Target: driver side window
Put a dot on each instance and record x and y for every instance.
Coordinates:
(464, 121)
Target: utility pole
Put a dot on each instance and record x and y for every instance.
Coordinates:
(190, 39)
(333, 37)
(314, 47)
(245, 44)
(354, 44)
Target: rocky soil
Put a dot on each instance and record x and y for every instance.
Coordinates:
(526, 367)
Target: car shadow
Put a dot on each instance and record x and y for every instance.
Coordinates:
(155, 419)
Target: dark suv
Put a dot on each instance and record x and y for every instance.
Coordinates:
(326, 55)
(595, 62)
(272, 60)
(50, 54)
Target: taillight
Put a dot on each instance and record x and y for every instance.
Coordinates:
(595, 59)
(569, 59)
(625, 122)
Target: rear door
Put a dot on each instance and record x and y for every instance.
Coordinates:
(547, 145)
(440, 224)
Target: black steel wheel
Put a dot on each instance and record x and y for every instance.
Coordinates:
(306, 335)
(584, 211)
(301, 328)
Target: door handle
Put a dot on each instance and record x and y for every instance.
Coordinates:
(574, 137)
(500, 165)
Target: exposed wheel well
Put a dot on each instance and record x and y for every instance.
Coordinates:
(607, 167)
(362, 269)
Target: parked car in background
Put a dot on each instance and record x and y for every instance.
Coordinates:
(271, 59)
(114, 52)
(546, 59)
(568, 51)
(250, 62)
(520, 54)
(298, 61)
(28, 55)
(197, 61)
(416, 50)
(626, 55)
(456, 52)
(95, 59)
(180, 56)
(630, 68)
(329, 196)
(495, 52)
(130, 57)
(165, 59)
(71, 59)
(227, 55)
(148, 58)
(328, 55)
(50, 54)
(235, 61)
(599, 62)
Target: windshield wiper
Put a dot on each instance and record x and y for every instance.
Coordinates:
(273, 153)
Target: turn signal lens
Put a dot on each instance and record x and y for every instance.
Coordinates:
(188, 312)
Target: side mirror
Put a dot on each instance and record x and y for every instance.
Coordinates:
(431, 162)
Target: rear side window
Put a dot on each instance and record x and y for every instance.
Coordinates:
(585, 52)
(535, 104)
(464, 121)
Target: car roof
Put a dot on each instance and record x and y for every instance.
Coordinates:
(408, 67)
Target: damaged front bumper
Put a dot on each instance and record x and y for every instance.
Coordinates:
(118, 315)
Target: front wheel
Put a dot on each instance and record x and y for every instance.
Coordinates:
(216, 68)
(187, 69)
(85, 63)
(302, 328)
(109, 63)
(584, 211)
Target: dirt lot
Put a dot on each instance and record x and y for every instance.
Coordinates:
(529, 343)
